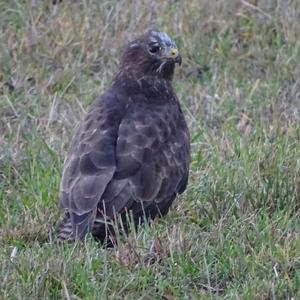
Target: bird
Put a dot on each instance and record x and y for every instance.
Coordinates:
(130, 156)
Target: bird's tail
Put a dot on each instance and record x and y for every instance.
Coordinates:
(75, 227)
(65, 231)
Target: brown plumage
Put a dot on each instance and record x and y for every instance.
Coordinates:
(131, 153)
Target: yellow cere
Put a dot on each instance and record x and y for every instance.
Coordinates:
(174, 52)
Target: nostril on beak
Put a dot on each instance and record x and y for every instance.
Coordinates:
(174, 52)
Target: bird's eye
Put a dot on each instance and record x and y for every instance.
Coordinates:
(154, 48)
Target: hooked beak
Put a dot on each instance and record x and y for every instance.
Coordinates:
(178, 59)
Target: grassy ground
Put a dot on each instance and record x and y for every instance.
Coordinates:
(234, 234)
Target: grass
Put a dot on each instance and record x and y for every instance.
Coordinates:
(235, 232)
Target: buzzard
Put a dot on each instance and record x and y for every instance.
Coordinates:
(131, 153)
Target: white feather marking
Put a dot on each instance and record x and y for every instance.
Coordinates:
(159, 69)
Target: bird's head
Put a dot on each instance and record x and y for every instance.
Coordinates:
(153, 53)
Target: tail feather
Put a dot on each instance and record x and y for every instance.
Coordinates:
(65, 231)
(74, 227)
